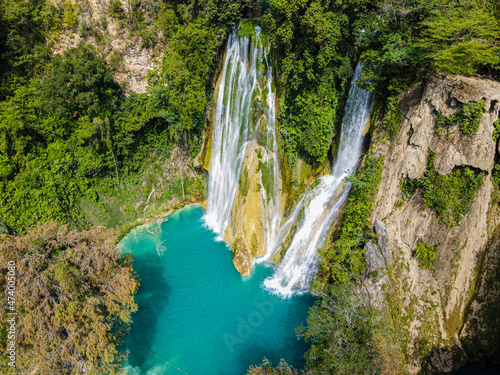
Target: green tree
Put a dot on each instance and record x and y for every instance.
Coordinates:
(461, 37)
(186, 66)
(74, 299)
(340, 330)
(79, 83)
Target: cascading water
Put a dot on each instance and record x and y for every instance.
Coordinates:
(244, 184)
(316, 211)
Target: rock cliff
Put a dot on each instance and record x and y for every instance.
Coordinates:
(114, 40)
(429, 306)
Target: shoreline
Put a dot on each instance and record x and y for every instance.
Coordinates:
(128, 227)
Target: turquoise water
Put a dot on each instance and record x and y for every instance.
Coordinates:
(197, 315)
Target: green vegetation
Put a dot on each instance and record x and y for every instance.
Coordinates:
(424, 253)
(74, 148)
(467, 118)
(340, 330)
(449, 196)
(495, 173)
(267, 369)
(344, 260)
(71, 143)
(461, 37)
(62, 135)
(74, 298)
(405, 42)
(392, 118)
(310, 39)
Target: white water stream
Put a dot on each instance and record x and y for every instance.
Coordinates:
(315, 212)
(244, 126)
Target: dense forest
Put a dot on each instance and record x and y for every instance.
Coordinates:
(70, 135)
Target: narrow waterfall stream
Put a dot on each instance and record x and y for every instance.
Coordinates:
(244, 183)
(319, 207)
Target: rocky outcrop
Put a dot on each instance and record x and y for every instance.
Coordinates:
(248, 219)
(114, 40)
(242, 256)
(432, 303)
(378, 260)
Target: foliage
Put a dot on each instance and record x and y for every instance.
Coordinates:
(496, 132)
(23, 29)
(449, 196)
(340, 330)
(314, 65)
(267, 369)
(460, 37)
(408, 187)
(406, 41)
(496, 174)
(79, 84)
(186, 66)
(424, 253)
(71, 11)
(392, 117)
(115, 9)
(344, 260)
(73, 292)
(61, 137)
(467, 117)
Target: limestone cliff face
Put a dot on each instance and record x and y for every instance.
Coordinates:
(429, 307)
(114, 40)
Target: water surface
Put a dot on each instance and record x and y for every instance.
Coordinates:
(197, 315)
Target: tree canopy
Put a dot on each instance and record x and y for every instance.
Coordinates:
(74, 297)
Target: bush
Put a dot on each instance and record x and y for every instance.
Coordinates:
(460, 37)
(393, 117)
(408, 187)
(74, 298)
(344, 260)
(496, 132)
(424, 253)
(116, 10)
(467, 118)
(341, 331)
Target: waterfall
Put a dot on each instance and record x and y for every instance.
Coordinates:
(314, 214)
(244, 183)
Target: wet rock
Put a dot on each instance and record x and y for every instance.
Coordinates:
(242, 257)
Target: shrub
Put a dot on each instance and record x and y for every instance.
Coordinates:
(467, 118)
(393, 117)
(449, 196)
(408, 187)
(340, 330)
(116, 10)
(74, 293)
(344, 260)
(424, 253)
(496, 132)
